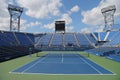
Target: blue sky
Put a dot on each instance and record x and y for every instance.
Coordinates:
(40, 15)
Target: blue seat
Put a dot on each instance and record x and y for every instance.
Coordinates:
(114, 57)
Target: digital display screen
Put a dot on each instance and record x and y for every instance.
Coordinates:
(60, 26)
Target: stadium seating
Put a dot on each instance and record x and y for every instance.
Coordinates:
(110, 48)
(24, 39)
(96, 34)
(30, 37)
(82, 40)
(57, 40)
(63, 41)
(116, 27)
(37, 37)
(103, 51)
(7, 38)
(114, 57)
(112, 35)
(102, 36)
(69, 40)
(91, 38)
(14, 44)
(45, 40)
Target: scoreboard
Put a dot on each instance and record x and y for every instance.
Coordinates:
(59, 26)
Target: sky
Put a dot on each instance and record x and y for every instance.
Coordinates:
(39, 16)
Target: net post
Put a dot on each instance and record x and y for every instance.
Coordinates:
(37, 54)
(88, 54)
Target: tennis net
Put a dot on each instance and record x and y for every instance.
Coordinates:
(57, 54)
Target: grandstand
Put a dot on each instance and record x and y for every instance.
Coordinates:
(110, 48)
(101, 43)
(66, 41)
(14, 44)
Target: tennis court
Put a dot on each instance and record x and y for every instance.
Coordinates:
(62, 63)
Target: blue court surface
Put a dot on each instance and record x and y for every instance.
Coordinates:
(63, 64)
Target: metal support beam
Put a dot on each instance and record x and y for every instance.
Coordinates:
(108, 13)
(15, 13)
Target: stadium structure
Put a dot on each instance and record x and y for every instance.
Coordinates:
(14, 44)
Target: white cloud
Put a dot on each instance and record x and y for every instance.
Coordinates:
(25, 25)
(92, 29)
(10, 2)
(41, 8)
(4, 16)
(75, 8)
(92, 17)
(69, 29)
(44, 8)
(36, 23)
(66, 17)
(95, 17)
(85, 30)
(50, 26)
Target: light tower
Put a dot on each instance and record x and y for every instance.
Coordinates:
(15, 13)
(108, 13)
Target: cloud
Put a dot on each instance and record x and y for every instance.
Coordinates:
(50, 26)
(46, 8)
(4, 16)
(41, 8)
(31, 24)
(36, 9)
(92, 29)
(94, 16)
(85, 30)
(10, 2)
(66, 17)
(75, 8)
(25, 24)
(69, 29)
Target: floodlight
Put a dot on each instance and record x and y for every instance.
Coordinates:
(15, 13)
(108, 13)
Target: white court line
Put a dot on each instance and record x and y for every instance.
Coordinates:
(57, 74)
(23, 65)
(33, 65)
(101, 66)
(90, 65)
(63, 63)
